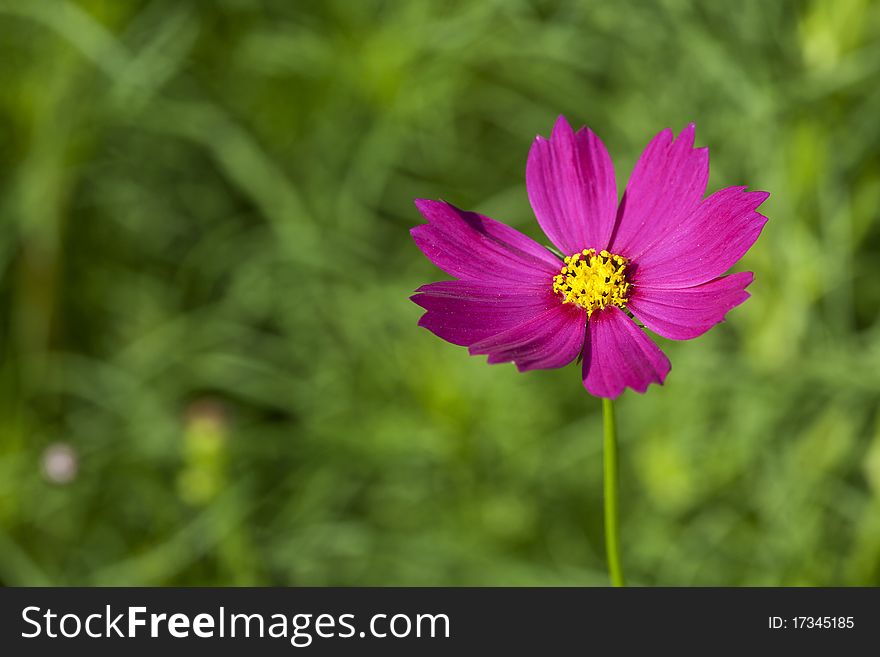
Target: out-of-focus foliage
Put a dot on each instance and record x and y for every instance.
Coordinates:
(210, 372)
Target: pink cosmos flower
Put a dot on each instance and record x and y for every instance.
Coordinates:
(657, 256)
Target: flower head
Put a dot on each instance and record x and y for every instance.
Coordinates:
(658, 256)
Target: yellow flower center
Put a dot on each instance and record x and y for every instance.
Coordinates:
(593, 280)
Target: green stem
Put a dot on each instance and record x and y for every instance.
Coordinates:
(612, 550)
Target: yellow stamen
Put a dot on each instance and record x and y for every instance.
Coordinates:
(593, 280)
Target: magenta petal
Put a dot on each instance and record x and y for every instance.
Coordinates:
(463, 312)
(682, 314)
(619, 355)
(667, 183)
(552, 339)
(570, 180)
(473, 247)
(706, 244)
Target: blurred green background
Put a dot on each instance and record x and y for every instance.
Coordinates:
(210, 372)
